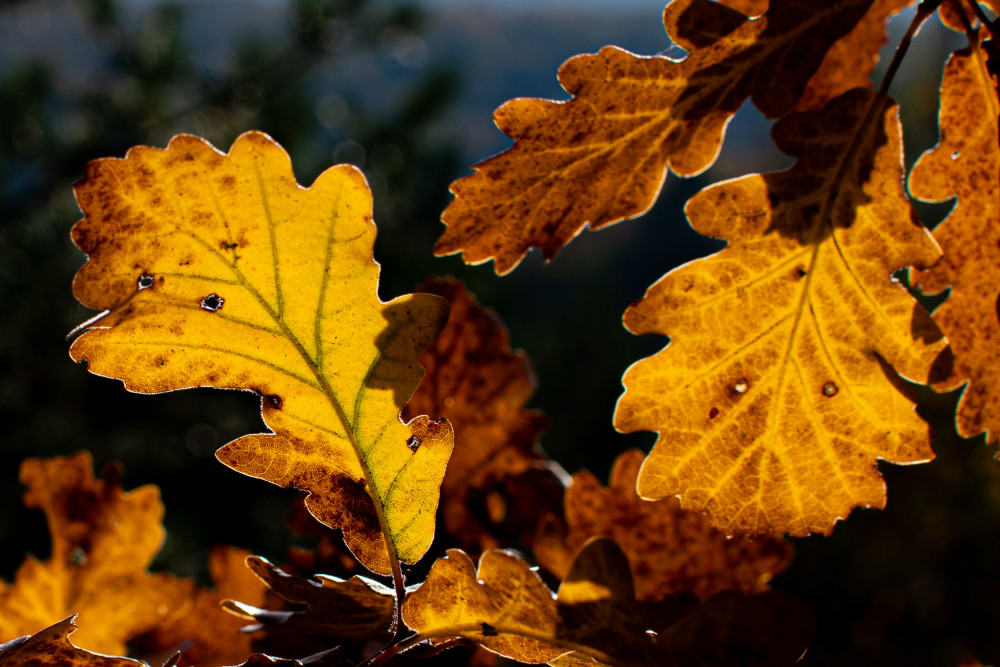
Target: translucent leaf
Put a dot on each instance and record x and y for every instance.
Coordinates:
(220, 270)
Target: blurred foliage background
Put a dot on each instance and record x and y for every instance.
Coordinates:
(405, 91)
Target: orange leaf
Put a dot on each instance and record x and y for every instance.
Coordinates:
(220, 270)
(670, 549)
(103, 539)
(966, 164)
(206, 635)
(51, 646)
(602, 156)
(776, 397)
(481, 386)
(851, 60)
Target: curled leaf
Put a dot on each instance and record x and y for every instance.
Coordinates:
(51, 646)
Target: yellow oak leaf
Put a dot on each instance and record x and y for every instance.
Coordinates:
(103, 539)
(481, 386)
(602, 156)
(776, 395)
(670, 549)
(966, 164)
(595, 618)
(51, 646)
(220, 270)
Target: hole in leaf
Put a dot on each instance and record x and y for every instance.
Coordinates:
(830, 389)
(212, 302)
(274, 400)
(713, 413)
(741, 386)
(954, 156)
(413, 443)
(145, 281)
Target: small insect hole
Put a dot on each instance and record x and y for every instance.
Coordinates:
(955, 155)
(79, 556)
(212, 302)
(800, 272)
(145, 281)
(830, 389)
(413, 443)
(713, 413)
(274, 400)
(741, 386)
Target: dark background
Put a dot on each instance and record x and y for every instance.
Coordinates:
(406, 92)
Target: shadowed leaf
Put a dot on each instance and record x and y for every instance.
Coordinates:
(966, 164)
(670, 549)
(596, 618)
(602, 156)
(51, 646)
(481, 386)
(206, 635)
(103, 539)
(356, 609)
(220, 270)
(776, 397)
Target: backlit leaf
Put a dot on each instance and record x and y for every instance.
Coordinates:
(966, 164)
(670, 549)
(51, 646)
(503, 606)
(220, 270)
(103, 539)
(602, 156)
(206, 635)
(596, 619)
(481, 386)
(776, 397)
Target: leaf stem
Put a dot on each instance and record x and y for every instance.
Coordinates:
(924, 10)
(457, 632)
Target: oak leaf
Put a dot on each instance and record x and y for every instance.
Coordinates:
(595, 619)
(670, 549)
(323, 607)
(966, 164)
(776, 396)
(481, 386)
(220, 270)
(602, 156)
(51, 646)
(206, 635)
(103, 539)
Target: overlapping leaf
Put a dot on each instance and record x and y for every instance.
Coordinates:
(966, 164)
(220, 270)
(206, 635)
(670, 549)
(481, 386)
(775, 397)
(326, 609)
(602, 156)
(103, 539)
(51, 646)
(506, 608)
